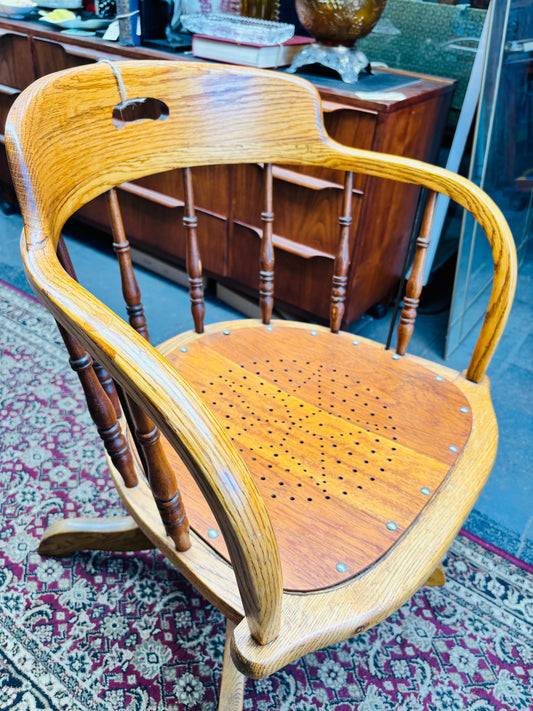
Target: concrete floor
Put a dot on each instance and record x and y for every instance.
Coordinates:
(503, 514)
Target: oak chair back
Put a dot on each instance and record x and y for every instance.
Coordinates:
(331, 474)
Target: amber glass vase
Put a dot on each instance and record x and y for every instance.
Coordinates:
(339, 22)
(337, 25)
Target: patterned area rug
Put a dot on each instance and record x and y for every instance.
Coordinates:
(109, 631)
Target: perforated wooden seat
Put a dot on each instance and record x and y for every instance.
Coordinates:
(324, 439)
(307, 481)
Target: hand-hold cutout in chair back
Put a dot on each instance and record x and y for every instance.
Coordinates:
(142, 109)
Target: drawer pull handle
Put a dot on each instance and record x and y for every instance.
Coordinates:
(307, 181)
(289, 245)
(9, 90)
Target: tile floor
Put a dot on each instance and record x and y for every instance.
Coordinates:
(503, 514)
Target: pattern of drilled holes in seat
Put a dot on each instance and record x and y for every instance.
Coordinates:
(288, 422)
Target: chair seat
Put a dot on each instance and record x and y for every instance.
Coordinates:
(322, 417)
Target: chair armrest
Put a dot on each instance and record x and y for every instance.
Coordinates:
(481, 207)
(186, 422)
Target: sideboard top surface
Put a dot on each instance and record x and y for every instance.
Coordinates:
(415, 86)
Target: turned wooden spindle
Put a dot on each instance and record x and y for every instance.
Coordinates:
(162, 479)
(104, 410)
(160, 474)
(109, 386)
(342, 261)
(193, 260)
(414, 285)
(103, 376)
(266, 273)
(130, 287)
(100, 409)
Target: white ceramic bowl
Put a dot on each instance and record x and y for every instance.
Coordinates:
(17, 10)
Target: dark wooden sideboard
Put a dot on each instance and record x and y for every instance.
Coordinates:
(410, 124)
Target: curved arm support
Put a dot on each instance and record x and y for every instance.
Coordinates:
(187, 423)
(480, 206)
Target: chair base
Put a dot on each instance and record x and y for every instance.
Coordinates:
(232, 682)
(62, 538)
(65, 537)
(437, 578)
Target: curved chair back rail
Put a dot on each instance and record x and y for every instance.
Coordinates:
(216, 115)
(107, 125)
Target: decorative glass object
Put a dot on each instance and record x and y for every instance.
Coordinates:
(238, 29)
(337, 25)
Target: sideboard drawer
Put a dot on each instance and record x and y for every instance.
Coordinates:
(50, 56)
(210, 186)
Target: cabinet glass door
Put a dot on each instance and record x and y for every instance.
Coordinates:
(501, 159)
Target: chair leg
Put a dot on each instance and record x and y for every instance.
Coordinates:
(107, 534)
(437, 577)
(232, 684)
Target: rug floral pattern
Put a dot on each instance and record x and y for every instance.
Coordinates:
(105, 631)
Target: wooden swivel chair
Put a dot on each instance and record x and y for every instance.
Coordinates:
(307, 482)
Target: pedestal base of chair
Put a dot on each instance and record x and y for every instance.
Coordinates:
(437, 578)
(96, 534)
(232, 682)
